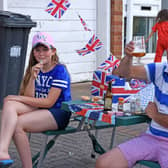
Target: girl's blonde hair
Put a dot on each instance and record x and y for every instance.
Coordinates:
(32, 62)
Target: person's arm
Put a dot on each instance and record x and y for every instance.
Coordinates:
(150, 35)
(30, 87)
(152, 111)
(126, 69)
(48, 102)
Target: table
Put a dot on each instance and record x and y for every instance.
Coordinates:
(119, 120)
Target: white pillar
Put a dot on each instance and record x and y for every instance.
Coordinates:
(103, 29)
(3, 4)
(129, 26)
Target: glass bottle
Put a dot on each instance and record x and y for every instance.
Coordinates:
(108, 98)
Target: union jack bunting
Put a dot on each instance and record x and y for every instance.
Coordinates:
(84, 23)
(57, 8)
(100, 82)
(109, 64)
(93, 45)
(137, 84)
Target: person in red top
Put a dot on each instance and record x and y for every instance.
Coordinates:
(161, 27)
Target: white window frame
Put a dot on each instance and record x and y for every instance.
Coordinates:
(3, 4)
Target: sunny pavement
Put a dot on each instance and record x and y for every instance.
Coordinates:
(74, 150)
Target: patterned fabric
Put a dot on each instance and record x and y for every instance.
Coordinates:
(57, 8)
(84, 23)
(94, 111)
(109, 64)
(93, 45)
(145, 95)
(137, 84)
(100, 84)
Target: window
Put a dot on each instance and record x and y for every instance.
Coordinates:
(143, 26)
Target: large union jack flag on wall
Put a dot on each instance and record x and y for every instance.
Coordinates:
(109, 64)
(93, 45)
(57, 7)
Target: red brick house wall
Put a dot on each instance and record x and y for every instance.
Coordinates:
(116, 27)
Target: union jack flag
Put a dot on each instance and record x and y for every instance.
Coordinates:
(93, 45)
(84, 23)
(57, 7)
(109, 64)
(100, 84)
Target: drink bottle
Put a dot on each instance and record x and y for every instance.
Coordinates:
(108, 98)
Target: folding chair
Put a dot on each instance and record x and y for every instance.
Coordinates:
(47, 145)
(149, 163)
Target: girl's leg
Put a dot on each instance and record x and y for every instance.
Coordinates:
(112, 159)
(159, 52)
(36, 121)
(9, 116)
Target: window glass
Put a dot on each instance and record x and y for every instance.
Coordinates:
(143, 26)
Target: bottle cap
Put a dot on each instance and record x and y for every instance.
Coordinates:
(120, 99)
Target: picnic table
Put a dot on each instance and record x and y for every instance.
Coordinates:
(92, 114)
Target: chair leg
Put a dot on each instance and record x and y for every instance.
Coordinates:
(42, 151)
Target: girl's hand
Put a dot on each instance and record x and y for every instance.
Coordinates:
(13, 98)
(151, 110)
(129, 48)
(35, 70)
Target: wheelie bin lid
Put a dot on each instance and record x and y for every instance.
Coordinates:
(10, 19)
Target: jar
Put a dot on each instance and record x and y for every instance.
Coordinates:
(133, 105)
(120, 104)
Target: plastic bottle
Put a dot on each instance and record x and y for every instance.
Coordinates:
(120, 104)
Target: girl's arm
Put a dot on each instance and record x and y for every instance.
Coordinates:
(150, 35)
(29, 90)
(126, 69)
(30, 87)
(48, 102)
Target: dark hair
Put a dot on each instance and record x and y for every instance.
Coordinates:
(162, 15)
(32, 62)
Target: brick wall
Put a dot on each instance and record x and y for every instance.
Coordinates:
(116, 27)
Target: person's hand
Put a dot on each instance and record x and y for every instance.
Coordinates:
(13, 98)
(129, 48)
(36, 69)
(151, 110)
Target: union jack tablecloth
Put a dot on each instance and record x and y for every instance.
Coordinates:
(94, 111)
